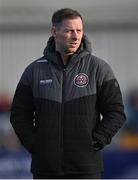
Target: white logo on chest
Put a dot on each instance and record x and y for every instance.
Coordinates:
(46, 81)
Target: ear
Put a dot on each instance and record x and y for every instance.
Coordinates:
(53, 31)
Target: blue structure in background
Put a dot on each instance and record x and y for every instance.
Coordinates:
(120, 164)
(14, 164)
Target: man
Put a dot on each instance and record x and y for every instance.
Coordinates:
(67, 105)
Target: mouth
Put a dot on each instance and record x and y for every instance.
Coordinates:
(73, 45)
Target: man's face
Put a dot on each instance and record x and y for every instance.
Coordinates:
(68, 36)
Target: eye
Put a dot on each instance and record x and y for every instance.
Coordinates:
(67, 31)
(79, 30)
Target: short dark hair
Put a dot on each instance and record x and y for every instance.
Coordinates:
(65, 13)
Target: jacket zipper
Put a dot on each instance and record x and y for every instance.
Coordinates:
(62, 121)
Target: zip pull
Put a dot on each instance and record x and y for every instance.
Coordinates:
(64, 66)
(64, 69)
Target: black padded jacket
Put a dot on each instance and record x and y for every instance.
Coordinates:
(64, 115)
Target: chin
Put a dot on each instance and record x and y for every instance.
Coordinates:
(72, 51)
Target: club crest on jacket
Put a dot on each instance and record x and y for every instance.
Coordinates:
(81, 80)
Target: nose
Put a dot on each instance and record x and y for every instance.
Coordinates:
(75, 35)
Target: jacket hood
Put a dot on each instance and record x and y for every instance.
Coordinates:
(51, 54)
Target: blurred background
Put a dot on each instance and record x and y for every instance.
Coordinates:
(112, 27)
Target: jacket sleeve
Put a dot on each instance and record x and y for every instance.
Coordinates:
(110, 105)
(22, 111)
